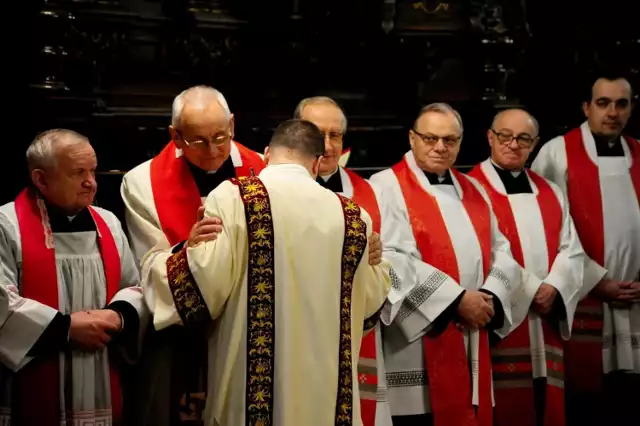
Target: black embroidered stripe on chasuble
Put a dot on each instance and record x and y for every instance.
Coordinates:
(260, 302)
(185, 292)
(355, 241)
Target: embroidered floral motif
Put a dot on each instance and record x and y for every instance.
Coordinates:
(355, 241)
(260, 302)
(186, 294)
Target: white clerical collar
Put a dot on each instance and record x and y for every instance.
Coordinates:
(287, 171)
(514, 173)
(327, 177)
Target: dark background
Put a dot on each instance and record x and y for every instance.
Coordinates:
(110, 69)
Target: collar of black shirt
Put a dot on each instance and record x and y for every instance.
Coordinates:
(435, 179)
(513, 184)
(207, 181)
(607, 148)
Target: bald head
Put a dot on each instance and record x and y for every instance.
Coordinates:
(43, 151)
(509, 116)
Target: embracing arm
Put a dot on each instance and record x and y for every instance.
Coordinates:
(191, 286)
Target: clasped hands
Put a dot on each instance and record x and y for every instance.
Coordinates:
(207, 229)
(476, 309)
(94, 329)
(620, 294)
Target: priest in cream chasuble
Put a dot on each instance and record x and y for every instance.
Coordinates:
(289, 287)
(455, 279)
(598, 168)
(533, 214)
(74, 311)
(162, 197)
(325, 113)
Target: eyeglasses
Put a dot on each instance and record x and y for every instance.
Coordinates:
(202, 143)
(333, 136)
(431, 139)
(523, 140)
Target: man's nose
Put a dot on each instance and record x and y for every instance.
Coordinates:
(89, 182)
(439, 146)
(328, 148)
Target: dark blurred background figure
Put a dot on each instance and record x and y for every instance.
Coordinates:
(110, 69)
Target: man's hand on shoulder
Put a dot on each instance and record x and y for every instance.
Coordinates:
(375, 249)
(205, 229)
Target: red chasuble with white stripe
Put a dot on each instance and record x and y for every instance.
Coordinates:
(364, 196)
(176, 194)
(515, 404)
(446, 359)
(584, 351)
(32, 405)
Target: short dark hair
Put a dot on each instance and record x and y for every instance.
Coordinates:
(299, 135)
(609, 73)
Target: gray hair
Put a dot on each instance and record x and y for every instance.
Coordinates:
(41, 154)
(531, 117)
(317, 100)
(199, 96)
(441, 108)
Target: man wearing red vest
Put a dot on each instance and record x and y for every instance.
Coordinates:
(599, 171)
(327, 115)
(162, 198)
(534, 216)
(455, 277)
(74, 310)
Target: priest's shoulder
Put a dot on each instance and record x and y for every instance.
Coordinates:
(139, 173)
(383, 178)
(478, 186)
(110, 219)
(552, 145)
(8, 216)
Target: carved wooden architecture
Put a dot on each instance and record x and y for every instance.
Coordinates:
(110, 68)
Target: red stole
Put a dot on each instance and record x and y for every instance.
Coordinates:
(176, 194)
(364, 196)
(584, 356)
(40, 283)
(518, 402)
(445, 355)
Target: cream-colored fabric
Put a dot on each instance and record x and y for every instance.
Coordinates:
(140, 209)
(621, 217)
(309, 229)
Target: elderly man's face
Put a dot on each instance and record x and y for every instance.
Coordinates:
(512, 139)
(204, 135)
(610, 107)
(435, 141)
(71, 183)
(328, 118)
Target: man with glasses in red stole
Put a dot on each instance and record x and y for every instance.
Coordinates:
(327, 115)
(163, 199)
(598, 168)
(456, 277)
(533, 213)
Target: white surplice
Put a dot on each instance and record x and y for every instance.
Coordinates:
(573, 273)
(621, 218)
(143, 224)
(85, 396)
(429, 290)
(308, 240)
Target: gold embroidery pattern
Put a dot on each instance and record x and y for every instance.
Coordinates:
(186, 294)
(260, 302)
(355, 241)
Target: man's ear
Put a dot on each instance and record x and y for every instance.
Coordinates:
(38, 179)
(232, 125)
(585, 108)
(267, 155)
(316, 166)
(175, 137)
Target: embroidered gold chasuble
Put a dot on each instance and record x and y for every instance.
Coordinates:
(289, 293)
